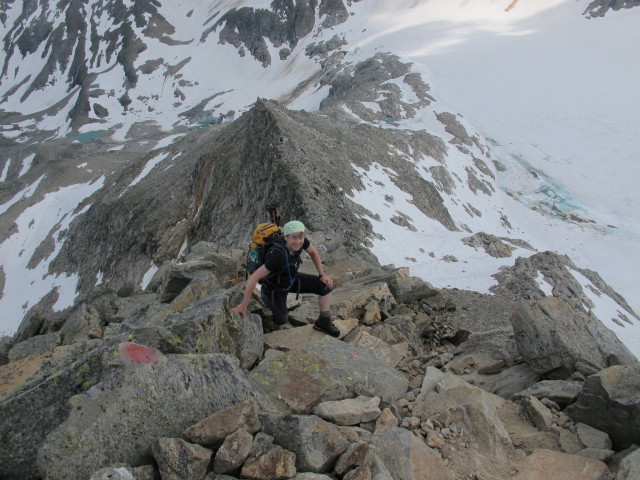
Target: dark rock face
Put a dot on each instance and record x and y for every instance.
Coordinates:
(285, 24)
(598, 8)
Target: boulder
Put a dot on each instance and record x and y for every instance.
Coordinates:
(408, 457)
(359, 454)
(552, 336)
(592, 437)
(135, 403)
(207, 326)
(351, 411)
(326, 370)
(452, 400)
(600, 454)
(277, 463)
(35, 345)
(351, 300)
(610, 402)
(215, 428)
(562, 392)
(408, 289)
(233, 452)
(491, 244)
(629, 467)
(34, 409)
(551, 464)
(178, 459)
(513, 380)
(179, 275)
(316, 443)
(539, 415)
(392, 354)
(84, 323)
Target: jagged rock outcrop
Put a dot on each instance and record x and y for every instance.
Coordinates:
(598, 8)
(522, 280)
(547, 334)
(394, 396)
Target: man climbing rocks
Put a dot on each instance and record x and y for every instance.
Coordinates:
(279, 275)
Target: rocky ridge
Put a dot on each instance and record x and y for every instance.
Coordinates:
(422, 383)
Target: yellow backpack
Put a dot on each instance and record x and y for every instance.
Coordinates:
(264, 236)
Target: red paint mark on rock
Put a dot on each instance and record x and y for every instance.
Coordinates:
(356, 355)
(139, 353)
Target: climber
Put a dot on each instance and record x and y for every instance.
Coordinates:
(279, 275)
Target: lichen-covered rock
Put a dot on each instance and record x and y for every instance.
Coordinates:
(316, 443)
(329, 369)
(135, 403)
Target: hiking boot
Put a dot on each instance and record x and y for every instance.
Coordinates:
(325, 324)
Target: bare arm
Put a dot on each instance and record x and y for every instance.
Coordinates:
(315, 258)
(252, 281)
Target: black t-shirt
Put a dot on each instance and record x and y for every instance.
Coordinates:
(282, 265)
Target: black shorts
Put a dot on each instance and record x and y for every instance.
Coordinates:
(276, 299)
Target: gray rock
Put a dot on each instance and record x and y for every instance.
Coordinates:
(630, 467)
(552, 336)
(550, 464)
(491, 244)
(113, 473)
(6, 343)
(562, 392)
(408, 289)
(351, 411)
(84, 323)
(233, 452)
(610, 402)
(600, 454)
(178, 459)
(514, 380)
(101, 432)
(215, 428)
(42, 402)
(358, 454)
(326, 370)
(262, 443)
(407, 457)
(522, 280)
(593, 438)
(145, 472)
(207, 326)
(316, 443)
(311, 476)
(392, 354)
(455, 401)
(540, 415)
(379, 470)
(34, 346)
(276, 463)
(178, 276)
